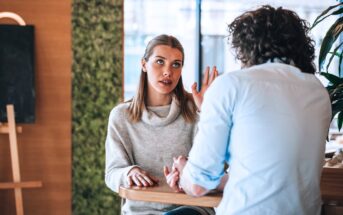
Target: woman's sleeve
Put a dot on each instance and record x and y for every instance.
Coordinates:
(118, 153)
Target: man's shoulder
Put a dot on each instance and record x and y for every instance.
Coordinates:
(228, 80)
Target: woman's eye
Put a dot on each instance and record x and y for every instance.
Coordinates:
(176, 65)
(159, 62)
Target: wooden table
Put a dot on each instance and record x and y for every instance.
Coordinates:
(331, 188)
(331, 185)
(164, 194)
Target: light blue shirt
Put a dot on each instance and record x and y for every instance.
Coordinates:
(269, 123)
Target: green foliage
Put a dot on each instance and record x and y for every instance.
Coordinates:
(97, 31)
(335, 87)
(331, 35)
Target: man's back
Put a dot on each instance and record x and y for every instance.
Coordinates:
(279, 122)
(268, 121)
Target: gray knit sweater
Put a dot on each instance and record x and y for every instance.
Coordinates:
(150, 144)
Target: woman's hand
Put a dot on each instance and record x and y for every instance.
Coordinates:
(141, 178)
(172, 178)
(198, 96)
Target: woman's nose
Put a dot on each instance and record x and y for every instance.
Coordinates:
(166, 72)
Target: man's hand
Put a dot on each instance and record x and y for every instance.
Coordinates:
(187, 186)
(180, 163)
(141, 178)
(199, 96)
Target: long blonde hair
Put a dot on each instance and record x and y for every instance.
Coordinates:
(186, 102)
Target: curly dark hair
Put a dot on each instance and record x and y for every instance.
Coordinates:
(267, 33)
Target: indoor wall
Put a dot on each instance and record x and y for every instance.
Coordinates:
(45, 146)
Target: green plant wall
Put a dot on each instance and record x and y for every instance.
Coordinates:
(97, 87)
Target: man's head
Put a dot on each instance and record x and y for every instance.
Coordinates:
(267, 33)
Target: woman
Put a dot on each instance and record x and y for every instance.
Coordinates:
(142, 132)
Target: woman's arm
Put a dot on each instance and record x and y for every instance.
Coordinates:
(120, 169)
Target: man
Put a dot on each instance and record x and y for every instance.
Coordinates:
(268, 121)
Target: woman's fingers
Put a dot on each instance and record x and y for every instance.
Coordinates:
(148, 180)
(207, 71)
(194, 88)
(173, 179)
(140, 180)
(171, 176)
(165, 171)
(139, 177)
(129, 180)
(214, 74)
(136, 181)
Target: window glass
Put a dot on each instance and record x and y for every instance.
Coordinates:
(216, 14)
(145, 19)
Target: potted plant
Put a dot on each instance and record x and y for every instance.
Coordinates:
(332, 177)
(327, 52)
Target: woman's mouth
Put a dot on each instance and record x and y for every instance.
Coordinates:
(166, 82)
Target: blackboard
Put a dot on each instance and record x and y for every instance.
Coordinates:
(17, 72)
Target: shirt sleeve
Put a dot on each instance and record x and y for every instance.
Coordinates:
(205, 165)
(118, 162)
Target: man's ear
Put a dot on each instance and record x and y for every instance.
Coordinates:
(143, 63)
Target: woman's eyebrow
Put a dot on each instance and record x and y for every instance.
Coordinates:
(176, 60)
(158, 56)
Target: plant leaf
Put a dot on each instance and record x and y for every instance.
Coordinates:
(336, 93)
(330, 37)
(319, 18)
(336, 108)
(340, 120)
(335, 53)
(340, 63)
(332, 55)
(335, 80)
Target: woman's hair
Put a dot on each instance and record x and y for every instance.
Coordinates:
(186, 103)
(266, 33)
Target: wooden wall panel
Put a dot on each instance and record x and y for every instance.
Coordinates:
(44, 147)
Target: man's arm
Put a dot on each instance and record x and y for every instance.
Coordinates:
(204, 169)
(188, 186)
(223, 182)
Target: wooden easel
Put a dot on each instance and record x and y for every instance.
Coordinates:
(11, 129)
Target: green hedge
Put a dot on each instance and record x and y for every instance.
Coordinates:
(97, 27)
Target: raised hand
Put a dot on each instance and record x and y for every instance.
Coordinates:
(208, 79)
(137, 176)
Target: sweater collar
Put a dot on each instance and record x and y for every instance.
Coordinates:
(154, 115)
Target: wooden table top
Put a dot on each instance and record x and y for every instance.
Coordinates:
(331, 189)
(164, 194)
(331, 185)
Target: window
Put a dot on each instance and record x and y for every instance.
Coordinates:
(144, 19)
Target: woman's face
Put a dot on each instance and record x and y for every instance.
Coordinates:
(163, 69)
